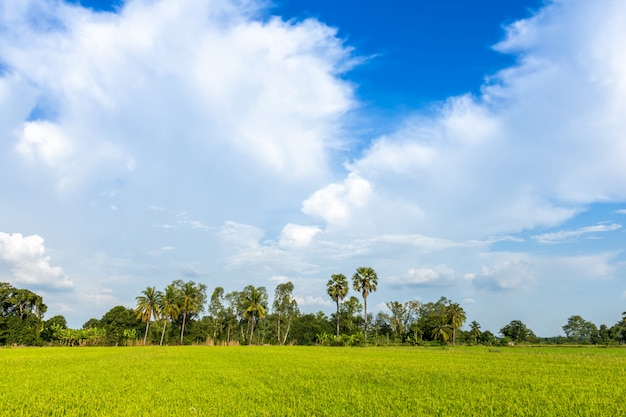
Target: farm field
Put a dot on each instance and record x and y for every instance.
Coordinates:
(312, 381)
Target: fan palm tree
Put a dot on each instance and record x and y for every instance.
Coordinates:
(148, 307)
(365, 281)
(255, 301)
(337, 288)
(457, 317)
(170, 306)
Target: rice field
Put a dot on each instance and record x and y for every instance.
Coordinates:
(312, 381)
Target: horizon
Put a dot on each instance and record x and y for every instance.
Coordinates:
(472, 151)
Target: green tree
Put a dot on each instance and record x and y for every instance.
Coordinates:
(52, 328)
(285, 308)
(457, 317)
(579, 330)
(169, 306)
(475, 331)
(91, 323)
(517, 332)
(255, 306)
(21, 315)
(216, 310)
(148, 307)
(337, 289)
(349, 310)
(120, 324)
(399, 319)
(192, 299)
(365, 281)
(442, 331)
(234, 314)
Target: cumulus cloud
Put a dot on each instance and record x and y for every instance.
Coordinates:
(26, 258)
(541, 142)
(297, 236)
(244, 249)
(170, 75)
(439, 275)
(509, 275)
(312, 301)
(337, 202)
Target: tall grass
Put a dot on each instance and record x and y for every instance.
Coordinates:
(312, 381)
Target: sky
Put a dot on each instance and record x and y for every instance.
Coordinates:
(475, 152)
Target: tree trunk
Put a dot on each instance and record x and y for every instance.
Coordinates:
(365, 316)
(251, 331)
(163, 333)
(337, 317)
(182, 329)
(287, 332)
(145, 336)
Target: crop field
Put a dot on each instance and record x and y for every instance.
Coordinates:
(312, 381)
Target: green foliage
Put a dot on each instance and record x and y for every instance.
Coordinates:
(285, 309)
(120, 326)
(254, 307)
(365, 281)
(21, 316)
(579, 330)
(337, 288)
(517, 332)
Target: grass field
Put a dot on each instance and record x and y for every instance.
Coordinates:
(312, 381)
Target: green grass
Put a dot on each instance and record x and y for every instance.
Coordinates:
(312, 381)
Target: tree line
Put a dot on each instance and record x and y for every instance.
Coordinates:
(184, 313)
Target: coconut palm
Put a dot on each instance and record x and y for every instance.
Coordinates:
(441, 331)
(475, 330)
(337, 288)
(148, 307)
(456, 316)
(365, 281)
(255, 301)
(170, 306)
(192, 298)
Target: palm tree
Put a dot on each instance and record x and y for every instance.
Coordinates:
(337, 288)
(441, 331)
(457, 317)
(148, 307)
(192, 299)
(255, 300)
(170, 306)
(475, 330)
(365, 281)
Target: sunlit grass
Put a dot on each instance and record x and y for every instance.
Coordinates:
(312, 381)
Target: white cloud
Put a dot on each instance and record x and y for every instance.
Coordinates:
(337, 202)
(439, 275)
(568, 235)
(541, 142)
(517, 274)
(244, 249)
(26, 258)
(313, 301)
(222, 82)
(297, 236)
(44, 141)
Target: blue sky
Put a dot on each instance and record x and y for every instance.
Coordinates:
(474, 152)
